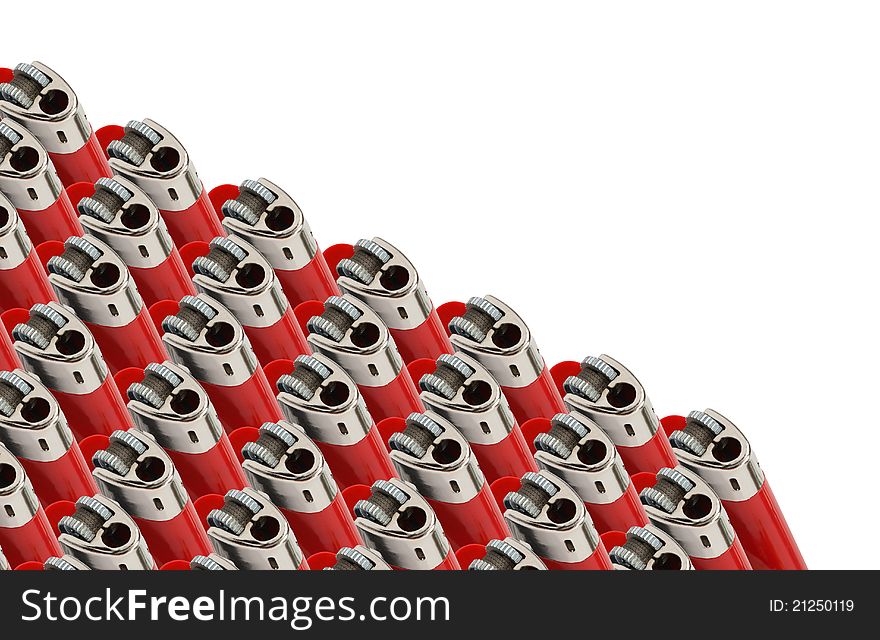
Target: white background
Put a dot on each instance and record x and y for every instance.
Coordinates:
(688, 187)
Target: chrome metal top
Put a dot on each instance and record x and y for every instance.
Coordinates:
(103, 536)
(508, 555)
(685, 507)
(27, 175)
(380, 275)
(269, 219)
(41, 99)
(208, 340)
(432, 455)
(15, 245)
(18, 501)
(152, 158)
(610, 395)
(137, 473)
(251, 532)
(358, 558)
(547, 514)
(122, 215)
(239, 277)
(579, 452)
(400, 524)
(211, 562)
(93, 280)
(287, 466)
(32, 426)
(172, 406)
(464, 392)
(649, 548)
(57, 346)
(353, 335)
(714, 448)
(494, 334)
(320, 397)
(65, 563)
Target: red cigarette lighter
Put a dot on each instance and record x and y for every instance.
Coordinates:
(147, 154)
(400, 524)
(381, 276)
(57, 346)
(684, 506)
(40, 99)
(288, 467)
(351, 334)
(265, 216)
(120, 214)
(713, 447)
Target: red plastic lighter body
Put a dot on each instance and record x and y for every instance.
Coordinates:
(166, 174)
(180, 538)
(23, 281)
(262, 214)
(168, 280)
(331, 528)
(8, 358)
(379, 274)
(32, 541)
(477, 521)
(249, 403)
(66, 478)
(25, 532)
(56, 222)
(361, 462)
(136, 344)
(284, 339)
(86, 164)
(539, 398)
(625, 512)
(100, 411)
(506, 457)
(25, 285)
(197, 222)
(734, 559)
(764, 533)
(424, 341)
(398, 398)
(215, 470)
